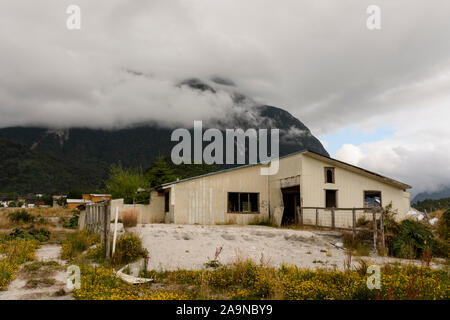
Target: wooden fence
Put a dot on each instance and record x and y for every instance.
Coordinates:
(331, 212)
(98, 221)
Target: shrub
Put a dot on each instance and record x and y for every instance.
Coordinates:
(76, 243)
(73, 221)
(129, 218)
(349, 241)
(444, 225)
(31, 234)
(7, 271)
(15, 252)
(103, 284)
(362, 250)
(20, 216)
(357, 245)
(247, 280)
(362, 222)
(441, 248)
(128, 249)
(413, 238)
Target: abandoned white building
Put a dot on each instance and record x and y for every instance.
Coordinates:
(305, 179)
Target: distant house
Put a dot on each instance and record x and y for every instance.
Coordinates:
(57, 200)
(39, 203)
(74, 203)
(87, 198)
(96, 197)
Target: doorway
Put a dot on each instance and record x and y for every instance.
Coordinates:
(330, 199)
(291, 201)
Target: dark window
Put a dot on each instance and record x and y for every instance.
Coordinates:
(330, 198)
(243, 202)
(233, 202)
(166, 201)
(372, 199)
(254, 202)
(329, 175)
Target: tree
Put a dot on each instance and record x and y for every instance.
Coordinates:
(47, 199)
(75, 194)
(160, 173)
(12, 196)
(124, 183)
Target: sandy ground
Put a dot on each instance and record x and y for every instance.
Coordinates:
(17, 289)
(174, 247)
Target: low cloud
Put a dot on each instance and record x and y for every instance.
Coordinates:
(417, 154)
(316, 59)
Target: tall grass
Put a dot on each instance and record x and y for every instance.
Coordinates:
(245, 279)
(129, 218)
(13, 253)
(128, 249)
(76, 243)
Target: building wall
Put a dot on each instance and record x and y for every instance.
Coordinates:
(289, 167)
(151, 213)
(205, 200)
(350, 188)
(73, 205)
(99, 198)
(94, 198)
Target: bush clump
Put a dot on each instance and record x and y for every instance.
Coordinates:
(248, 280)
(103, 284)
(128, 249)
(412, 240)
(14, 252)
(129, 218)
(444, 225)
(360, 244)
(73, 221)
(76, 243)
(20, 216)
(41, 234)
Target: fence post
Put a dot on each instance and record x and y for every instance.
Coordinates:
(383, 245)
(354, 222)
(374, 230)
(317, 218)
(332, 219)
(107, 217)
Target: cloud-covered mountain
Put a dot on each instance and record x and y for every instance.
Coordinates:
(443, 193)
(84, 154)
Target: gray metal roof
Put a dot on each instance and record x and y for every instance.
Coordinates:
(388, 180)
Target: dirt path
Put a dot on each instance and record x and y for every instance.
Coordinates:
(42, 279)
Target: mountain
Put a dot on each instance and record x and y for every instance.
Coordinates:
(23, 170)
(430, 205)
(443, 193)
(45, 160)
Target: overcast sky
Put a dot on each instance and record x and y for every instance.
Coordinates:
(316, 59)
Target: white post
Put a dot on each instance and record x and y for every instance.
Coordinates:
(115, 230)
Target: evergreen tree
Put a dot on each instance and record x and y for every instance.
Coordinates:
(124, 183)
(160, 173)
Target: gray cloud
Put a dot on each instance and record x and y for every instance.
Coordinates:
(316, 59)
